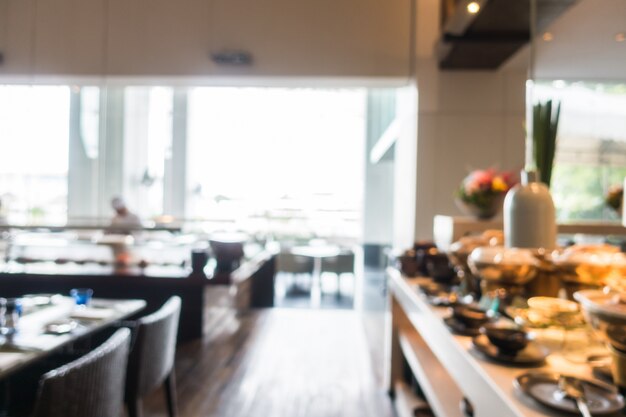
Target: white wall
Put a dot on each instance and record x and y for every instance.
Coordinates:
(583, 45)
(405, 170)
(41, 40)
(466, 120)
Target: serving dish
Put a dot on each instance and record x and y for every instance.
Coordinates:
(528, 317)
(532, 354)
(508, 340)
(543, 387)
(601, 309)
(589, 265)
(460, 250)
(499, 265)
(459, 328)
(470, 316)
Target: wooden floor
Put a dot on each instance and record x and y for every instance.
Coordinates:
(277, 363)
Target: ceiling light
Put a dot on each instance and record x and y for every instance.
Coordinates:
(620, 37)
(473, 7)
(548, 36)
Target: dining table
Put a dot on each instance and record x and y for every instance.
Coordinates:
(50, 322)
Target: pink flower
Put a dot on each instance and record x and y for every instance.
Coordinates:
(487, 181)
(471, 187)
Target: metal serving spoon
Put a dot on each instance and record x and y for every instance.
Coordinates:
(574, 389)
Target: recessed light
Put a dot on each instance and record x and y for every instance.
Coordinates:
(548, 36)
(620, 37)
(473, 7)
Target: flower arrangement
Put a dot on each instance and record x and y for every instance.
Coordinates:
(482, 192)
(614, 198)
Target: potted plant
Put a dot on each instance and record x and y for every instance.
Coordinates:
(482, 192)
(545, 125)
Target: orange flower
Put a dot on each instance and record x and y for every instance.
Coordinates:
(498, 184)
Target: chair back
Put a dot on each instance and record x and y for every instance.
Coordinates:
(92, 385)
(294, 264)
(340, 264)
(152, 354)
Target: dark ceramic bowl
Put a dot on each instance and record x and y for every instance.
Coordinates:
(440, 269)
(423, 250)
(506, 339)
(471, 317)
(423, 245)
(408, 263)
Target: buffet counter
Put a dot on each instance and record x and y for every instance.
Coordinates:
(449, 229)
(448, 369)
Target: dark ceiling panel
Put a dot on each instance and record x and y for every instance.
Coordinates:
(502, 16)
(495, 33)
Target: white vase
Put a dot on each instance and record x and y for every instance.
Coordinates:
(529, 215)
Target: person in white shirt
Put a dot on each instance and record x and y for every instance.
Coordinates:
(124, 218)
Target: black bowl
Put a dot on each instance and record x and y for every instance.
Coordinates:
(471, 317)
(423, 250)
(440, 269)
(423, 245)
(506, 339)
(407, 263)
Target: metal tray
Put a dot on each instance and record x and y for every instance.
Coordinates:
(543, 387)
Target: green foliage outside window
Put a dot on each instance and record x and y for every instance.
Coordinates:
(579, 191)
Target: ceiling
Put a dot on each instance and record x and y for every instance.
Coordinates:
(583, 45)
(486, 39)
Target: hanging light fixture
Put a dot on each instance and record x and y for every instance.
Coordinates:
(473, 7)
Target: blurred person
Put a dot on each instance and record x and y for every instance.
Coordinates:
(124, 218)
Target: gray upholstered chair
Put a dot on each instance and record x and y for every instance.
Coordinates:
(340, 264)
(151, 360)
(294, 264)
(92, 385)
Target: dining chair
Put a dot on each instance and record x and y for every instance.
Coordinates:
(338, 265)
(151, 359)
(294, 264)
(92, 385)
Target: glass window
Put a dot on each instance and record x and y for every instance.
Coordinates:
(147, 147)
(34, 131)
(286, 160)
(591, 148)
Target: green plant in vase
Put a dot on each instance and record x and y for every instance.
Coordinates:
(545, 125)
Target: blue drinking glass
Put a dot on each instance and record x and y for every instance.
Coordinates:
(82, 296)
